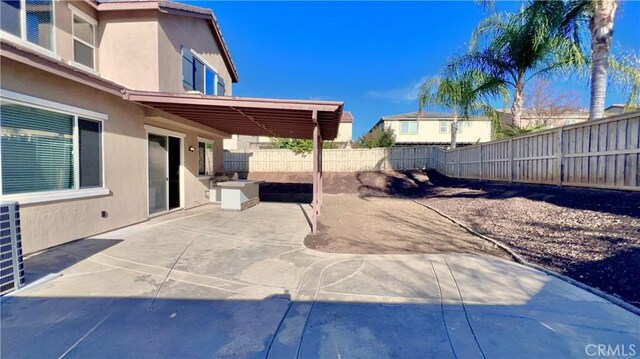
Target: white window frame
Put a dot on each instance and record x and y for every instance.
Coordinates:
(76, 12)
(447, 126)
(210, 142)
(76, 112)
(22, 39)
(204, 75)
(409, 132)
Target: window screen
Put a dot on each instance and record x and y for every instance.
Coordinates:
(83, 44)
(40, 23)
(37, 149)
(90, 153)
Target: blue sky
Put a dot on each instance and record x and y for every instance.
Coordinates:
(371, 55)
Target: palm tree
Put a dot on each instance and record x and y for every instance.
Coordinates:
(465, 93)
(517, 48)
(570, 17)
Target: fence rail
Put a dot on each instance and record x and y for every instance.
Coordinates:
(333, 160)
(598, 154)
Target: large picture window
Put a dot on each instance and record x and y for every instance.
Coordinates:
(29, 20)
(205, 154)
(44, 151)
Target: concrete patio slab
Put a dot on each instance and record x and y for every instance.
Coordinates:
(207, 283)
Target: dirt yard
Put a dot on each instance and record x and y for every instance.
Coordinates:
(378, 225)
(590, 235)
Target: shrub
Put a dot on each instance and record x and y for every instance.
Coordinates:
(378, 137)
(299, 146)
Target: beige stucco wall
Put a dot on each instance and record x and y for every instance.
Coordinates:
(174, 32)
(429, 131)
(51, 223)
(345, 132)
(63, 27)
(128, 49)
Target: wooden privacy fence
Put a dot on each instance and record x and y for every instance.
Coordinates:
(334, 160)
(600, 154)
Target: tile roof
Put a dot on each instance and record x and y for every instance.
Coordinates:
(346, 117)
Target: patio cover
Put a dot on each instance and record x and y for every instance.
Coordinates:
(302, 119)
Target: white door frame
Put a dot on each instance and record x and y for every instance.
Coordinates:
(152, 130)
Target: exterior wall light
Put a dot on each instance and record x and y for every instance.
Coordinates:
(191, 149)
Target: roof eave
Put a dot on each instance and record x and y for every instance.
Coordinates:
(182, 10)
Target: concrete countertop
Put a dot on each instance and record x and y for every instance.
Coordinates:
(238, 183)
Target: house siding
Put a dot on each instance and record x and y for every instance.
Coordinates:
(125, 164)
(174, 32)
(128, 49)
(429, 132)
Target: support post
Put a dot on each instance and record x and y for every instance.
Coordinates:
(321, 170)
(316, 179)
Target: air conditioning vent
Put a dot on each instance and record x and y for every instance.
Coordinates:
(11, 266)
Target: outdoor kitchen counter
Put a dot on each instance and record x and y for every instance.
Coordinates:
(239, 195)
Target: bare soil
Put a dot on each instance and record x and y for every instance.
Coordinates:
(592, 236)
(379, 225)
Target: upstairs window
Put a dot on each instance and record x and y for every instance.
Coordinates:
(409, 128)
(83, 33)
(220, 86)
(444, 127)
(29, 20)
(197, 75)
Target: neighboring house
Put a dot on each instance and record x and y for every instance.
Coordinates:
(100, 127)
(435, 129)
(616, 109)
(548, 118)
(241, 142)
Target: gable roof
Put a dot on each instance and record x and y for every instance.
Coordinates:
(347, 117)
(175, 8)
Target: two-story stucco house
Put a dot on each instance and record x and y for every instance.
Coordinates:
(434, 128)
(241, 142)
(115, 111)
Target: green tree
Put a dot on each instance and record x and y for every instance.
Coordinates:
(514, 48)
(299, 146)
(465, 93)
(593, 20)
(378, 137)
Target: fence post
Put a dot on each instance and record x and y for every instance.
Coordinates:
(458, 163)
(510, 153)
(559, 154)
(480, 172)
